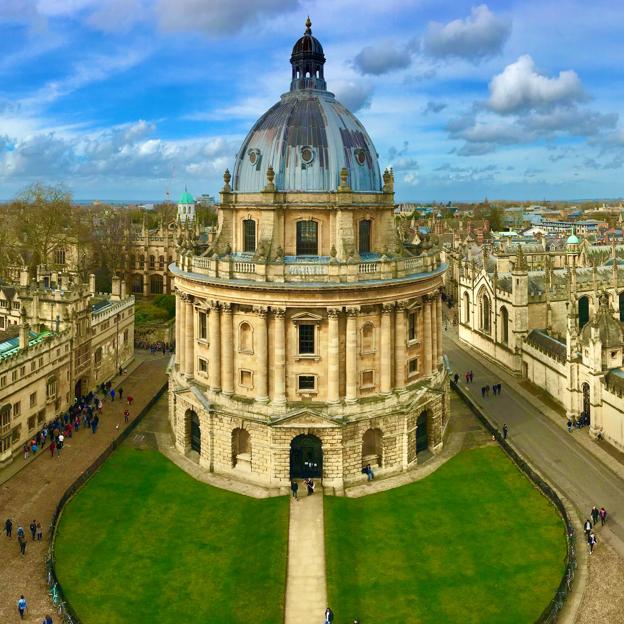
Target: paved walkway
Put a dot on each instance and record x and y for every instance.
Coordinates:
(306, 590)
(35, 490)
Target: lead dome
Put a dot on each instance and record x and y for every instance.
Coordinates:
(308, 136)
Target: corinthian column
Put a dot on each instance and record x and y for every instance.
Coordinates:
(262, 393)
(333, 357)
(427, 335)
(351, 355)
(386, 348)
(178, 323)
(400, 339)
(434, 331)
(189, 338)
(279, 390)
(439, 330)
(214, 368)
(227, 350)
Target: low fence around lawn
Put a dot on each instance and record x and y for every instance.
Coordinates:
(552, 610)
(57, 595)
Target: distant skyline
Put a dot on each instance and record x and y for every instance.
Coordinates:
(129, 99)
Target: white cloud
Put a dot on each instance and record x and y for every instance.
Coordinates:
(382, 58)
(480, 35)
(217, 18)
(116, 16)
(355, 95)
(520, 87)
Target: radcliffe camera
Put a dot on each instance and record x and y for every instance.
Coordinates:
(311, 313)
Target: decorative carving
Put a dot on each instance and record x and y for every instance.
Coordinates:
(226, 308)
(333, 313)
(279, 313)
(353, 312)
(226, 178)
(387, 308)
(260, 311)
(344, 183)
(270, 174)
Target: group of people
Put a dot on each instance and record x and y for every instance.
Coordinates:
(294, 487)
(595, 515)
(496, 390)
(155, 347)
(579, 423)
(36, 532)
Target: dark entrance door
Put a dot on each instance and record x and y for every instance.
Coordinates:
(586, 403)
(306, 457)
(78, 389)
(195, 433)
(421, 433)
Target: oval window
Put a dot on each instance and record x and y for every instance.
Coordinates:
(253, 157)
(307, 154)
(360, 156)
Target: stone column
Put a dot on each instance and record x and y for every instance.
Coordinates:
(178, 322)
(427, 336)
(214, 366)
(400, 340)
(351, 355)
(439, 330)
(227, 350)
(279, 389)
(434, 332)
(189, 338)
(262, 363)
(386, 348)
(333, 356)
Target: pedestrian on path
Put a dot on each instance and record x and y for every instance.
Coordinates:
(587, 527)
(505, 431)
(591, 542)
(329, 616)
(310, 486)
(471, 376)
(130, 399)
(47, 619)
(112, 394)
(8, 527)
(20, 531)
(482, 392)
(33, 529)
(467, 375)
(603, 516)
(595, 514)
(22, 544)
(126, 415)
(52, 447)
(22, 606)
(120, 393)
(294, 486)
(39, 532)
(455, 378)
(569, 426)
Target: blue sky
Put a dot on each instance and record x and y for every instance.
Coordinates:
(131, 99)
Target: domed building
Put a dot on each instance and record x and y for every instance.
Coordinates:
(308, 332)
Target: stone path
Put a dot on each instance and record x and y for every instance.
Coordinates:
(34, 491)
(306, 590)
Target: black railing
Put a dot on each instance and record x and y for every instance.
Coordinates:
(550, 613)
(57, 595)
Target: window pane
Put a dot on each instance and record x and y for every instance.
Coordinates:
(249, 235)
(306, 382)
(307, 238)
(365, 232)
(306, 338)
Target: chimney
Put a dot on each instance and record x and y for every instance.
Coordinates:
(116, 289)
(24, 276)
(123, 294)
(92, 283)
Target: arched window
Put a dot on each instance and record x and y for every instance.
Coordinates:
(132, 261)
(365, 236)
(249, 235)
(504, 320)
(59, 256)
(161, 263)
(137, 284)
(307, 238)
(141, 261)
(97, 356)
(372, 447)
(368, 338)
(241, 449)
(466, 308)
(156, 285)
(485, 313)
(152, 262)
(245, 338)
(583, 311)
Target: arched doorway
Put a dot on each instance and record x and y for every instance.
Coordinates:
(195, 431)
(583, 311)
(78, 388)
(421, 433)
(306, 457)
(241, 449)
(372, 447)
(586, 402)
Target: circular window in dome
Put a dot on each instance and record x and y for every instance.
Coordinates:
(307, 154)
(360, 156)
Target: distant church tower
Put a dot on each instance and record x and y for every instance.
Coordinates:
(186, 207)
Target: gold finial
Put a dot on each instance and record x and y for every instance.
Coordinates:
(308, 26)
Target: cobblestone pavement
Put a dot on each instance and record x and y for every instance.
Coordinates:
(34, 491)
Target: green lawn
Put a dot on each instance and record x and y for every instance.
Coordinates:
(474, 542)
(144, 542)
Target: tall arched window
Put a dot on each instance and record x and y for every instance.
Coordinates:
(245, 338)
(365, 236)
(156, 285)
(307, 238)
(368, 338)
(152, 262)
(137, 284)
(466, 308)
(485, 313)
(583, 311)
(504, 320)
(249, 235)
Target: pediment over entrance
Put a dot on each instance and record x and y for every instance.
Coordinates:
(306, 317)
(304, 419)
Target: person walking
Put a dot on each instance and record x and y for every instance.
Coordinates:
(603, 516)
(8, 527)
(329, 616)
(112, 394)
(505, 431)
(20, 531)
(126, 415)
(587, 527)
(467, 375)
(52, 447)
(482, 392)
(39, 532)
(455, 378)
(294, 486)
(21, 606)
(22, 544)
(569, 426)
(595, 514)
(47, 619)
(33, 529)
(120, 393)
(471, 374)
(310, 486)
(591, 542)
(130, 399)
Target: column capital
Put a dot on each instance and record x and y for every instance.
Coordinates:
(387, 308)
(260, 311)
(226, 308)
(333, 313)
(353, 312)
(213, 305)
(279, 313)
(402, 305)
